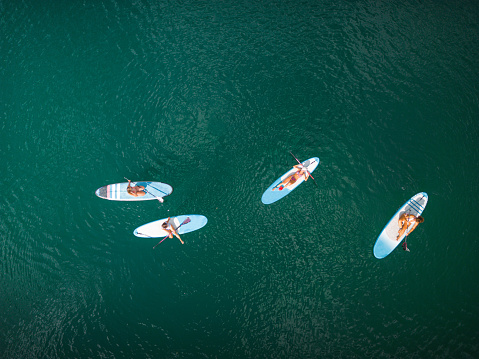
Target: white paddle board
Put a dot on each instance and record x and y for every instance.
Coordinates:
(117, 191)
(387, 240)
(155, 230)
(273, 193)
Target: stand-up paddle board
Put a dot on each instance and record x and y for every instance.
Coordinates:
(387, 240)
(117, 191)
(274, 193)
(154, 229)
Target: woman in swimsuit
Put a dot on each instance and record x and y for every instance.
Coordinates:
(301, 171)
(170, 230)
(407, 220)
(136, 191)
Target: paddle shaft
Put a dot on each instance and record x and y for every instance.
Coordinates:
(405, 239)
(187, 220)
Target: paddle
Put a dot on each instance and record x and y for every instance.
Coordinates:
(404, 245)
(146, 235)
(303, 166)
(144, 189)
(187, 220)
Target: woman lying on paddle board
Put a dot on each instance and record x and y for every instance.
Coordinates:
(171, 231)
(301, 171)
(406, 220)
(136, 191)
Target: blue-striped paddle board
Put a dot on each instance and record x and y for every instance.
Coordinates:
(117, 191)
(273, 194)
(154, 229)
(387, 241)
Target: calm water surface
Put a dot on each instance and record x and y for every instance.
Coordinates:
(210, 97)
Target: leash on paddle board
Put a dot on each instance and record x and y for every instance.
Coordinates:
(187, 220)
(146, 235)
(144, 189)
(304, 167)
(159, 190)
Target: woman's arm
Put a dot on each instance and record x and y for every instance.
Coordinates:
(413, 228)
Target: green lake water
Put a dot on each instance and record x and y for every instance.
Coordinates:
(210, 97)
